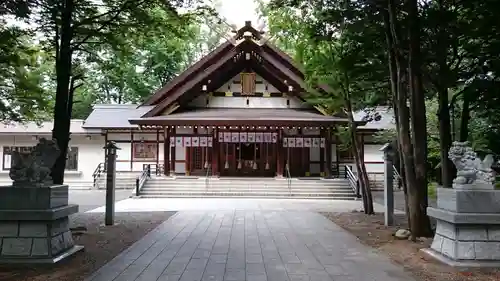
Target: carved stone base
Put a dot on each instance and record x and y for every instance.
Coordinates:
(38, 235)
(469, 200)
(462, 264)
(465, 237)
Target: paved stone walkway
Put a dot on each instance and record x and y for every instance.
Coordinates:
(249, 245)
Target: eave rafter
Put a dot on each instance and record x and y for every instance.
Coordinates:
(230, 57)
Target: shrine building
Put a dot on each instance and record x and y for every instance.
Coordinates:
(239, 111)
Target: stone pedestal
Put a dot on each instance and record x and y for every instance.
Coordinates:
(468, 227)
(34, 224)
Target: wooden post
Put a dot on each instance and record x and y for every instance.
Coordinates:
(166, 151)
(215, 152)
(388, 185)
(322, 154)
(172, 153)
(280, 154)
(111, 148)
(337, 153)
(131, 150)
(105, 154)
(328, 146)
(157, 150)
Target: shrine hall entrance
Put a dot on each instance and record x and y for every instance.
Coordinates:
(247, 159)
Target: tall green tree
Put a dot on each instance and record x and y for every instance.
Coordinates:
(339, 52)
(22, 96)
(72, 28)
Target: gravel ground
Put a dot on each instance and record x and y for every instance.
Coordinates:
(371, 231)
(399, 199)
(102, 244)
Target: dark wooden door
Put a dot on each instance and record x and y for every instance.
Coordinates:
(298, 160)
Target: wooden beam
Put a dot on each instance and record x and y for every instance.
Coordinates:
(227, 58)
(189, 73)
(171, 109)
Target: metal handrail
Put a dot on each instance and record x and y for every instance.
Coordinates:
(141, 179)
(208, 176)
(396, 178)
(353, 181)
(156, 169)
(288, 178)
(97, 172)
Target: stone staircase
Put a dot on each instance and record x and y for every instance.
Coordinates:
(193, 187)
(124, 180)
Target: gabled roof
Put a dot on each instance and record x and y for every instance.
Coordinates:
(44, 128)
(239, 116)
(114, 116)
(229, 59)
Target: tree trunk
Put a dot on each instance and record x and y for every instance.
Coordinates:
(447, 172)
(417, 192)
(445, 137)
(360, 164)
(464, 120)
(63, 76)
(393, 71)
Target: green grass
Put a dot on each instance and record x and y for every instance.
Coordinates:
(431, 190)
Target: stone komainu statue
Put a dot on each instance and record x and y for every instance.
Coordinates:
(470, 169)
(34, 168)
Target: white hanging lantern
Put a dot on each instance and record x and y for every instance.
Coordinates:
(267, 165)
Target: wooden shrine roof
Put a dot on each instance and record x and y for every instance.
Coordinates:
(242, 116)
(247, 51)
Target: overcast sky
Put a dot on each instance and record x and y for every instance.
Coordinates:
(239, 11)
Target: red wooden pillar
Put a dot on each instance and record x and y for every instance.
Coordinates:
(172, 153)
(328, 148)
(215, 152)
(280, 154)
(166, 150)
(322, 154)
(157, 149)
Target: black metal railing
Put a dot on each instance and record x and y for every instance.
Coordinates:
(397, 181)
(208, 176)
(99, 170)
(353, 180)
(141, 179)
(288, 177)
(156, 169)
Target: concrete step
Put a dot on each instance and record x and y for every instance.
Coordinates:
(198, 187)
(215, 187)
(244, 196)
(228, 183)
(268, 194)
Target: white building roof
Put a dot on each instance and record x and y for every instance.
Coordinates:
(386, 120)
(43, 128)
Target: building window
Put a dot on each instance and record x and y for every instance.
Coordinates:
(145, 151)
(71, 160)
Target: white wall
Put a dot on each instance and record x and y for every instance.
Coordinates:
(253, 102)
(90, 154)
